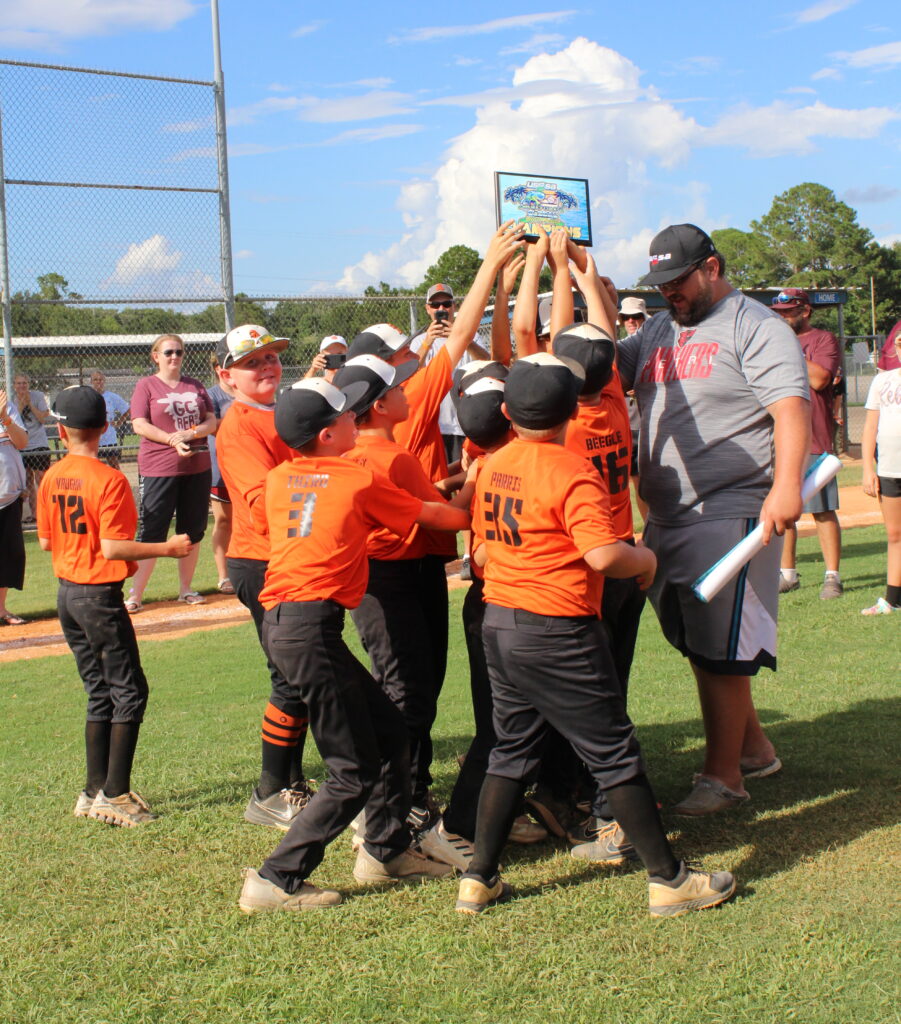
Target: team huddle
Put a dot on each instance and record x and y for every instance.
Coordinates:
(343, 500)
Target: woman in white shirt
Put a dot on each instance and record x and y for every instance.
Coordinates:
(882, 473)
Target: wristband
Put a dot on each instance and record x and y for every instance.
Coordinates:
(194, 432)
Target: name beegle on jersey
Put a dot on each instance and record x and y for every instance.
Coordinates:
(183, 408)
(691, 362)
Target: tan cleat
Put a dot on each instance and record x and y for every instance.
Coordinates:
(689, 890)
(127, 810)
(409, 866)
(474, 896)
(83, 805)
(259, 894)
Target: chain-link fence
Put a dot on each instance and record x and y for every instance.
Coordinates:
(113, 194)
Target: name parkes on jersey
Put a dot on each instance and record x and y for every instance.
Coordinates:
(679, 363)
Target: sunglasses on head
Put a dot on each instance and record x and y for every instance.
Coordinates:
(442, 305)
(784, 298)
(173, 352)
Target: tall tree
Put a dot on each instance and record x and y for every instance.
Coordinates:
(456, 267)
(749, 262)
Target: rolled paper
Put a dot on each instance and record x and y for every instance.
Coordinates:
(708, 585)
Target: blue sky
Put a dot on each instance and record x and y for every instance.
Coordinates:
(363, 137)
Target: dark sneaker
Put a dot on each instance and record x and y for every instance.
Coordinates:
(786, 585)
(554, 814)
(526, 831)
(421, 819)
(689, 890)
(409, 866)
(126, 811)
(278, 810)
(83, 805)
(474, 896)
(259, 894)
(831, 588)
(444, 846)
(609, 845)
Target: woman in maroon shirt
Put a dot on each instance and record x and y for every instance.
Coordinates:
(173, 416)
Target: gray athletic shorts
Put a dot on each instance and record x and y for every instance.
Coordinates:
(735, 634)
(825, 500)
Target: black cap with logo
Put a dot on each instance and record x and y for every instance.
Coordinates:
(675, 250)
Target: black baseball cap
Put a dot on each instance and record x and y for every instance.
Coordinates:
(80, 407)
(675, 250)
(377, 376)
(309, 406)
(382, 340)
(592, 348)
(476, 369)
(542, 391)
(478, 407)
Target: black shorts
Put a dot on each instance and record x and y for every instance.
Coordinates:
(12, 544)
(37, 459)
(185, 497)
(890, 486)
(100, 633)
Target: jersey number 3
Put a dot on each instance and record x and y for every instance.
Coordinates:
(71, 513)
(506, 524)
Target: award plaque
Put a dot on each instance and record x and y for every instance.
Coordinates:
(552, 202)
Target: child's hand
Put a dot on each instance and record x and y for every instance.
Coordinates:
(646, 576)
(558, 250)
(510, 271)
(505, 242)
(577, 253)
(586, 278)
(179, 546)
(537, 251)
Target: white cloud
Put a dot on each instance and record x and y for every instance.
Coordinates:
(826, 73)
(887, 55)
(540, 41)
(426, 35)
(800, 90)
(466, 62)
(306, 30)
(696, 65)
(151, 257)
(566, 108)
(46, 23)
(822, 10)
(375, 134)
(872, 194)
(364, 107)
(244, 254)
(780, 129)
(889, 240)
(277, 87)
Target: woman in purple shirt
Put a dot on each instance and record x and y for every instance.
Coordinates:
(173, 416)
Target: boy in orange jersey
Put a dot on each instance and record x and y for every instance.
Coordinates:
(394, 628)
(247, 448)
(87, 519)
(320, 509)
(544, 533)
(420, 432)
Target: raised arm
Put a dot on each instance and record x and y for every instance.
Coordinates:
(501, 347)
(525, 311)
(506, 240)
(596, 291)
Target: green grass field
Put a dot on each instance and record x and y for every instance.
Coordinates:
(106, 925)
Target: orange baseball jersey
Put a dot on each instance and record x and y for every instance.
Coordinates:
(419, 433)
(247, 447)
(320, 511)
(404, 470)
(601, 434)
(81, 501)
(539, 509)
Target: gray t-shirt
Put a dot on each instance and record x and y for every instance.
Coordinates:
(706, 445)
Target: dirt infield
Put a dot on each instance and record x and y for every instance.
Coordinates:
(166, 620)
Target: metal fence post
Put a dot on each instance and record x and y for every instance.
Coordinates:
(4, 276)
(225, 236)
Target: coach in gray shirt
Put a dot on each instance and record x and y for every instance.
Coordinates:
(722, 390)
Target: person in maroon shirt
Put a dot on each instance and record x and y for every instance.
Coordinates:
(823, 354)
(888, 358)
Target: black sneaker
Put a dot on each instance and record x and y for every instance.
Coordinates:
(554, 814)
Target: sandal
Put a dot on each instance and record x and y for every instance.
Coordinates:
(132, 604)
(192, 597)
(8, 619)
(226, 587)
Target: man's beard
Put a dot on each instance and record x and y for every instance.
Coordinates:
(697, 309)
